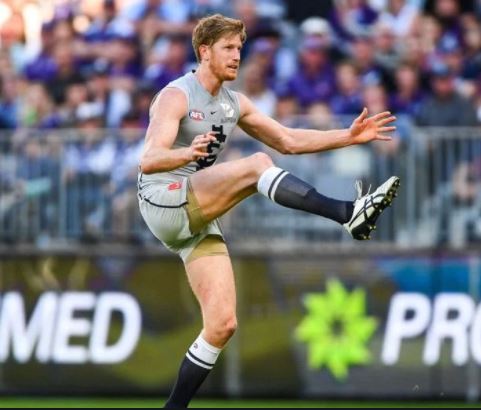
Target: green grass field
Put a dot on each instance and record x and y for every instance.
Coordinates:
(32, 402)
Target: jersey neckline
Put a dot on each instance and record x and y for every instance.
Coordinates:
(199, 84)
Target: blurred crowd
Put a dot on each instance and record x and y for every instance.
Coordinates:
(85, 64)
(108, 58)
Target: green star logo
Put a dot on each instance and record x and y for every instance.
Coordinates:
(336, 329)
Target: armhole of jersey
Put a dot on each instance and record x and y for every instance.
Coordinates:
(236, 97)
(170, 86)
(186, 93)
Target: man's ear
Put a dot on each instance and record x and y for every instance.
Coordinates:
(204, 51)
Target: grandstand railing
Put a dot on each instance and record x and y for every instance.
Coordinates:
(63, 188)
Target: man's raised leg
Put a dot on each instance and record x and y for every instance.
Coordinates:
(222, 186)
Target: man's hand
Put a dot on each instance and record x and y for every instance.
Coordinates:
(365, 129)
(198, 148)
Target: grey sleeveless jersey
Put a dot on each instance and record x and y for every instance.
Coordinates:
(205, 113)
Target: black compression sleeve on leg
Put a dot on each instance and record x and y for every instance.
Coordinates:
(294, 193)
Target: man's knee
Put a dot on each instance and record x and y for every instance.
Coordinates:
(228, 327)
(222, 330)
(261, 161)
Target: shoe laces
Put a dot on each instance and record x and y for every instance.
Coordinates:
(358, 186)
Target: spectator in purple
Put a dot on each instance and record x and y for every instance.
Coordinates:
(352, 18)
(124, 56)
(102, 27)
(65, 72)
(363, 55)
(46, 66)
(450, 52)
(174, 64)
(42, 68)
(315, 79)
(448, 13)
(348, 99)
(408, 95)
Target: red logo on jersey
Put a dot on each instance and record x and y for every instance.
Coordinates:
(196, 115)
(174, 186)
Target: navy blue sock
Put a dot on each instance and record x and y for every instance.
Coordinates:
(190, 378)
(197, 364)
(287, 190)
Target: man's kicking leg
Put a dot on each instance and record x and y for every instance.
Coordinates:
(212, 281)
(220, 187)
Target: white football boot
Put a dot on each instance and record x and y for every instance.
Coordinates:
(369, 207)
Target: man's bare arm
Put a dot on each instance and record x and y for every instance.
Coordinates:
(166, 112)
(301, 141)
